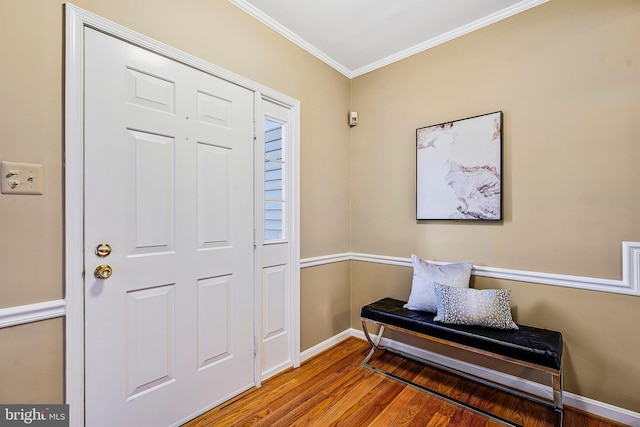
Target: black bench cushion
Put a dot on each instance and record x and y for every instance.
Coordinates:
(534, 345)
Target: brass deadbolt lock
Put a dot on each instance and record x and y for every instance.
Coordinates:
(103, 250)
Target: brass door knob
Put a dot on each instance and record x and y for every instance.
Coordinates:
(103, 271)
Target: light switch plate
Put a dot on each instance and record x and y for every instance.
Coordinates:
(22, 178)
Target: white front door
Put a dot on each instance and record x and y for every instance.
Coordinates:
(169, 187)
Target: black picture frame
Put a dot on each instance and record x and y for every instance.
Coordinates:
(459, 169)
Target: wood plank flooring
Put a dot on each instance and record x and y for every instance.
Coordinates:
(332, 389)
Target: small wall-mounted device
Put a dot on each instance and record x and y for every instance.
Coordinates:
(353, 118)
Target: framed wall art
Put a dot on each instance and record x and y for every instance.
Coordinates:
(459, 169)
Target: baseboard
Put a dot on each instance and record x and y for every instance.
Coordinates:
(275, 371)
(602, 409)
(586, 404)
(325, 345)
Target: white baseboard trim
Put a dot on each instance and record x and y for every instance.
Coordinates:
(19, 315)
(325, 345)
(586, 404)
(274, 371)
(602, 409)
(629, 285)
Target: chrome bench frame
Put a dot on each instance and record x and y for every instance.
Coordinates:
(556, 374)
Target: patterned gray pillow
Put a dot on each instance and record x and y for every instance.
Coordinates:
(480, 307)
(423, 296)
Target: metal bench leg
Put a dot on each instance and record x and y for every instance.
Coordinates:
(557, 397)
(375, 345)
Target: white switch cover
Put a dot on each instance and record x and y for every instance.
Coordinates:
(22, 178)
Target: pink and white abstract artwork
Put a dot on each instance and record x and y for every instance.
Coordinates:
(459, 169)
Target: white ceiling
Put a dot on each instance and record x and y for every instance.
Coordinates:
(358, 36)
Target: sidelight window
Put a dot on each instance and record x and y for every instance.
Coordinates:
(274, 165)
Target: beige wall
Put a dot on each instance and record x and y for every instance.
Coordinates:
(32, 363)
(325, 307)
(31, 130)
(566, 75)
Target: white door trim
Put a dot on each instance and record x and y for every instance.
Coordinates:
(76, 20)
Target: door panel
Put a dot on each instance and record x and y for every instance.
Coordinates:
(276, 336)
(150, 338)
(152, 196)
(274, 309)
(213, 196)
(214, 322)
(149, 91)
(169, 185)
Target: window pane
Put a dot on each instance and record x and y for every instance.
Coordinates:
(273, 182)
(273, 220)
(273, 141)
(273, 170)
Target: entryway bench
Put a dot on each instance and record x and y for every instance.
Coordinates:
(535, 348)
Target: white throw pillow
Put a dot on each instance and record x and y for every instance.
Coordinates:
(480, 307)
(423, 295)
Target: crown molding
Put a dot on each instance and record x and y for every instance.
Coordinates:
(450, 35)
(421, 47)
(290, 35)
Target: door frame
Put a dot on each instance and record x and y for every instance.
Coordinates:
(76, 20)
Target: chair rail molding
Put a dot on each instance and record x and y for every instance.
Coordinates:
(629, 285)
(19, 315)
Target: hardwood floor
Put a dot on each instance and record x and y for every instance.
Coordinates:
(332, 389)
